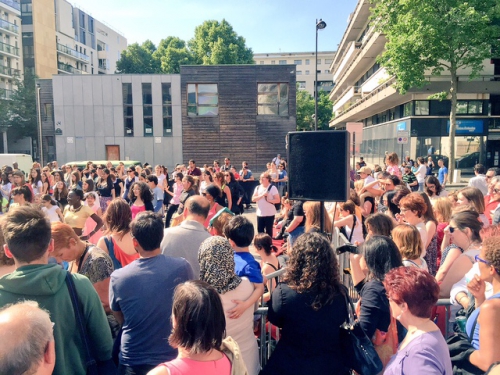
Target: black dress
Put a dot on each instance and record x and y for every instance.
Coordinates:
(309, 342)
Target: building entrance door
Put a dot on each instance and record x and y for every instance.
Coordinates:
(492, 153)
(112, 152)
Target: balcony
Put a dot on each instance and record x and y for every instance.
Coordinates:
(6, 94)
(12, 4)
(68, 69)
(9, 72)
(10, 27)
(73, 53)
(348, 97)
(8, 49)
(352, 51)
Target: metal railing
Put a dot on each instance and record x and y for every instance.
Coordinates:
(73, 53)
(12, 4)
(13, 50)
(6, 25)
(68, 68)
(5, 70)
(6, 93)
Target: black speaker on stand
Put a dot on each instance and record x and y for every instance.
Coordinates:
(318, 166)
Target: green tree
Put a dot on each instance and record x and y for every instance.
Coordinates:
(139, 59)
(22, 109)
(217, 43)
(305, 110)
(436, 36)
(172, 52)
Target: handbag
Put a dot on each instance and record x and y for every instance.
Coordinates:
(344, 232)
(93, 367)
(355, 346)
(460, 348)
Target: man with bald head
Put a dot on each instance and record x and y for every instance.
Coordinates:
(26, 340)
(184, 240)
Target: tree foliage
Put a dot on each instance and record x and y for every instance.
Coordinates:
(436, 36)
(305, 110)
(18, 115)
(217, 43)
(213, 43)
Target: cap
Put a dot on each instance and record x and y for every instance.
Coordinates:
(366, 170)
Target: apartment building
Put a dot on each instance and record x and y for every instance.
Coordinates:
(305, 65)
(59, 38)
(11, 63)
(363, 92)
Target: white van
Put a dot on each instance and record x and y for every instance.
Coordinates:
(24, 161)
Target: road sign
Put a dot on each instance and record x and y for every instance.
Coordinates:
(403, 136)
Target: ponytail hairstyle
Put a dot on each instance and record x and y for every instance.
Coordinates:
(263, 241)
(48, 198)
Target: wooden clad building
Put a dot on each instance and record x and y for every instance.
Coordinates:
(238, 111)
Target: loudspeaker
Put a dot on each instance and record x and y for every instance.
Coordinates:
(318, 165)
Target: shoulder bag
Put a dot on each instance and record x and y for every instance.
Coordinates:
(356, 347)
(93, 367)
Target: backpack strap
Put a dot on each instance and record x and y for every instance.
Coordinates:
(111, 250)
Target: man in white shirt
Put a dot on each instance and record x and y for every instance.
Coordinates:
(421, 173)
(479, 181)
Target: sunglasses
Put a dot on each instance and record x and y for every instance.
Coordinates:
(478, 259)
(453, 229)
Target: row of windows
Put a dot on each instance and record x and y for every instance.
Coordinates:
(147, 109)
(429, 108)
(297, 62)
(299, 72)
(202, 100)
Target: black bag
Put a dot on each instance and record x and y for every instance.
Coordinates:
(460, 348)
(355, 346)
(343, 231)
(93, 367)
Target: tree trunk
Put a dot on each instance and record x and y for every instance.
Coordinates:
(453, 122)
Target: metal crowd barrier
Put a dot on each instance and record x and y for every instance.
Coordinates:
(338, 239)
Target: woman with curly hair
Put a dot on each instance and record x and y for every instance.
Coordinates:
(309, 307)
(140, 198)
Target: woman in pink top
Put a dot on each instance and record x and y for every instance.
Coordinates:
(140, 198)
(211, 193)
(198, 328)
(392, 161)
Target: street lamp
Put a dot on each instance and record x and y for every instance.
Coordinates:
(40, 145)
(320, 25)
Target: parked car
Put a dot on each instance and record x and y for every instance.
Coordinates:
(467, 162)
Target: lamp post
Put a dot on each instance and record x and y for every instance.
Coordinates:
(320, 25)
(40, 145)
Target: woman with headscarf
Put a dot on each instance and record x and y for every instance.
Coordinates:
(216, 259)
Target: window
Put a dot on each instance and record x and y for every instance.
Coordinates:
(272, 62)
(166, 101)
(328, 61)
(307, 72)
(83, 39)
(203, 99)
(307, 62)
(82, 20)
(262, 63)
(421, 108)
(282, 62)
(319, 61)
(128, 110)
(272, 99)
(47, 112)
(327, 71)
(299, 72)
(408, 109)
(147, 109)
(297, 62)
(469, 107)
(301, 85)
(91, 25)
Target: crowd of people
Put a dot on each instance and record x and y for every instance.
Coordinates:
(172, 288)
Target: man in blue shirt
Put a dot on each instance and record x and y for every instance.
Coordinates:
(141, 296)
(281, 180)
(442, 173)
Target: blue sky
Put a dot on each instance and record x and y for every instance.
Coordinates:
(267, 25)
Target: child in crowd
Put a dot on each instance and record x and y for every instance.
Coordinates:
(240, 232)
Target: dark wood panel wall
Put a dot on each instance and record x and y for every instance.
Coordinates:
(237, 132)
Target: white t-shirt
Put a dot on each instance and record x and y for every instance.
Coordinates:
(421, 172)
(37, 188)
(264, 208)
(51, 213)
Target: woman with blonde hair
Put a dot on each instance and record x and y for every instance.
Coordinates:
(474, 197)
(407, 239)
(392, 162)
(442, 211)
(312, 210)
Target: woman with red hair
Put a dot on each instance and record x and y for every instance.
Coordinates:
(412, 294)
(413, 209)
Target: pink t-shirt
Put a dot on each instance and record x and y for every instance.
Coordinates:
(186, 366)
(394, 170)
(136, 209)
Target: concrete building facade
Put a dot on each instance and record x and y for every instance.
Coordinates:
(304, 67)
(363, 92)
(62, 39)
(11, 64)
